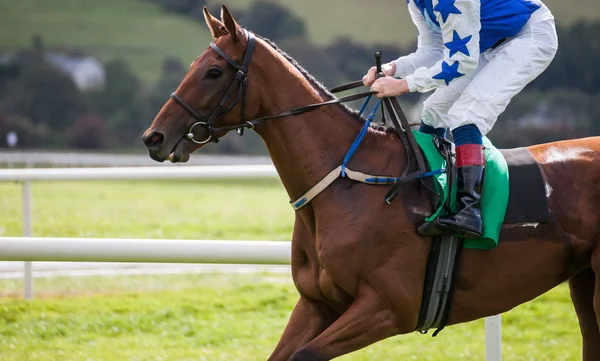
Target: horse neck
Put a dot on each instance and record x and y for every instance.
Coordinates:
(305, 147)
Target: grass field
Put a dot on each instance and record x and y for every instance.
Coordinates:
(254, 210)
(203, 317)
(206, 317)
(140, 32)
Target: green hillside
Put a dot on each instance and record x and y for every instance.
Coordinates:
(136, 30)
(140, 32)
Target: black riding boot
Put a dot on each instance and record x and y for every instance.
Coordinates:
(467, 219)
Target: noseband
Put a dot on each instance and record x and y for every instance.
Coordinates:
(239, 83)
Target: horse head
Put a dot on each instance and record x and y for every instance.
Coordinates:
(214, 97)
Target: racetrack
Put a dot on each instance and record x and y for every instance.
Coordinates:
(14, 270)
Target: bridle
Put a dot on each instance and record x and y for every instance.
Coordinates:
(240, 84)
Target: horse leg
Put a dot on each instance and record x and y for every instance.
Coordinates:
(366, 321)
(582, 294)
(307, 321)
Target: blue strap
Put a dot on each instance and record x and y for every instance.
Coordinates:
(364, 106)
(360, 136)
(432, 173)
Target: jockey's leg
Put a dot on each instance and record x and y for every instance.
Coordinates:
(470, 166)
(428, 129)
(436, 107)
(435, 120)
(510, 67)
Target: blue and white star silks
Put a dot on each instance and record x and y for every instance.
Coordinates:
(456, 55)
(449, 72)
(458, 45)
(445, 8)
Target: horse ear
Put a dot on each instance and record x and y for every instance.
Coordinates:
(230, 24)
(217, 29)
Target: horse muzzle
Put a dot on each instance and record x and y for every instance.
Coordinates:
(161, 149)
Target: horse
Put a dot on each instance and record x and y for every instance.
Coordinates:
(358, 263)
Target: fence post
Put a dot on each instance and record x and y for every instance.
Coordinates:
(27, 232)
(493, 338)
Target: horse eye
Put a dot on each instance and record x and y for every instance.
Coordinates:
(214, 73)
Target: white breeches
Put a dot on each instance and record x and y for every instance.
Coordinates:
(503, 72)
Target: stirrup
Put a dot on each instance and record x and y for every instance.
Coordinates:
(461, 232)
(435, 228)
(431, 229)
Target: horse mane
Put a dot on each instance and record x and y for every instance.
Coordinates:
(323, 91)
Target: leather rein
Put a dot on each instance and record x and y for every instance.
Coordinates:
(240, 84)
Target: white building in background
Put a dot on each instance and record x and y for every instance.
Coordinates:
(87, 72)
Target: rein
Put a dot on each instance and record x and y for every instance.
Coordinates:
(240, 83)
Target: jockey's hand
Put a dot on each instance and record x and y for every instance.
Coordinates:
(389, 87)
(388, 69)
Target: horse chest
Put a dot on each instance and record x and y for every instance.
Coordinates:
(330, 290)
(314, 281)
(317, 284)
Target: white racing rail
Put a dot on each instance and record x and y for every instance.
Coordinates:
(50, 249)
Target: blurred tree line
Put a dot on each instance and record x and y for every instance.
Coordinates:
(564, 102)
(48, 110)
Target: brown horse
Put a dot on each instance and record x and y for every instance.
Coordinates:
(357, 262)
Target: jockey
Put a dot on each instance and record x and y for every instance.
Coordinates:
(477, 55)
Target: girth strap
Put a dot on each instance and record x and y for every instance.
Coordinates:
(442, 268)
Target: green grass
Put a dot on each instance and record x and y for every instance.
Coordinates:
(202, 317)
(141, 33)
(254, 210)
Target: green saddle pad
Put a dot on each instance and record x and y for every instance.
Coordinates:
(494, 197)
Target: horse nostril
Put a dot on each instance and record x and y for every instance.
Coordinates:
(154, 140)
